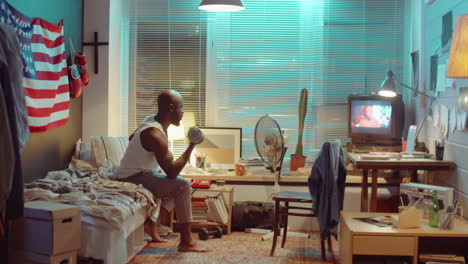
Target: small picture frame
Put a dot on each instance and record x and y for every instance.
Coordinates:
(221, 148)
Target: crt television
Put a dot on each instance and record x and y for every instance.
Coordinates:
(375, 120)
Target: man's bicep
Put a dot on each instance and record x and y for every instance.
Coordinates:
(156, 142)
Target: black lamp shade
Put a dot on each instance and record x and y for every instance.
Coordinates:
(387, 88)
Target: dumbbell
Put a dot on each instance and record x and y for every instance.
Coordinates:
(195, 135)
(204, 233)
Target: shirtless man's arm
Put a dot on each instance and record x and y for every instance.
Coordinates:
(152, 139)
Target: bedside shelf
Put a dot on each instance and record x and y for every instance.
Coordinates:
(228, 203)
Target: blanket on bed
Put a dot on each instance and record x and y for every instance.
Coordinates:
(96, 195)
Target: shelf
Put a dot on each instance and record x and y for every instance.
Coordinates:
(207, 223)
(229, 202)
(225, 189)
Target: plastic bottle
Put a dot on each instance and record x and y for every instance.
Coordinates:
(434, 211)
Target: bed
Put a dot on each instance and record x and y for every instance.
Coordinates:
(112, 212)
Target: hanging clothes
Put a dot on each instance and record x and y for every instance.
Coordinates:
(326, 185)
(13, 110)
(15, 62)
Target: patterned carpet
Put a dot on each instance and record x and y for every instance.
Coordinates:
(238, 247)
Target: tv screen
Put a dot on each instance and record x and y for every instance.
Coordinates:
(371, 117)
(376, 120)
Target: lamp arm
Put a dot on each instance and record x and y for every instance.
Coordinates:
(423, 120)
(415, 90)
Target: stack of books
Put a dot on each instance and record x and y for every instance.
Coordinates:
(253, 166)
(199, 209)
(217, 210)
(251, 162)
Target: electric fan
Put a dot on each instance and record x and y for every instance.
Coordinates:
(270, 141)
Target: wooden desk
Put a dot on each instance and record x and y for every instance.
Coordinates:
(404, 164)
(266, 179)
(360, 238)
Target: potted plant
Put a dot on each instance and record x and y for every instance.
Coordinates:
(297, 159)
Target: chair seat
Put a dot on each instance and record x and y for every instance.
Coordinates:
(300, 197)
(283, 211)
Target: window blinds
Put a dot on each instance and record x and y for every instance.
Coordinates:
(232, 68)
(263, 56)
(164, 45)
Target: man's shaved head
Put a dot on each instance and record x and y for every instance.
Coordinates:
(171, 106)
(166, 98)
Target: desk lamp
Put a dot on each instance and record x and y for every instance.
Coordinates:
(175, 133)
(387, 89)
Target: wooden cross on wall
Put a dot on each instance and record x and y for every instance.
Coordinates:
(96, 45)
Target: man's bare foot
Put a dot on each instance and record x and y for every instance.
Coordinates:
(158, 239)
(152, 230)
(193, 247)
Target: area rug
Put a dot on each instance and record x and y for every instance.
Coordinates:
(239, 247)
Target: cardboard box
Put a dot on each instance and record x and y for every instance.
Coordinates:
(24, 257)
(47, 228)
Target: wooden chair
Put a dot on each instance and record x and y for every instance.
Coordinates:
(282, 211)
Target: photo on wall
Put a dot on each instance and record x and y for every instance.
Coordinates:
(447, 30)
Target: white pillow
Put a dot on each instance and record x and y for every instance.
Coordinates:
(108, 151)
(83, 158)
(84, 150)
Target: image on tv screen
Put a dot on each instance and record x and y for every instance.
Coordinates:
(371, 114)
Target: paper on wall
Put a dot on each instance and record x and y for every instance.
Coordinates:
(436, 115)
(453, 119)
(444, 120)
(461, 121)
(441, 79)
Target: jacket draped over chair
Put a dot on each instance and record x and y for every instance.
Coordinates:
(326, 185)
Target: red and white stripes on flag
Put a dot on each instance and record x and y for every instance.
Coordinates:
(47, 95)
(45, 77)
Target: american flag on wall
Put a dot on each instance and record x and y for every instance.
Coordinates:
(44, 68)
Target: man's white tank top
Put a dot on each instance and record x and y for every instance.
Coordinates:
(136, 158)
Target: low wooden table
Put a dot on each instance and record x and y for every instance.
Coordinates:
(359, 238)
(404, 164)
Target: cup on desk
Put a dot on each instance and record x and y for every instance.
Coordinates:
(439, 152)
(239, 169)
(447, 217)
(446, 220)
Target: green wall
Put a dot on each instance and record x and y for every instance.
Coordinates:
(53, 149)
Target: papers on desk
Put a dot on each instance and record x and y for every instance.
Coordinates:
(380, 221)
(379, 155)
(393, 156)
(415, 155)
